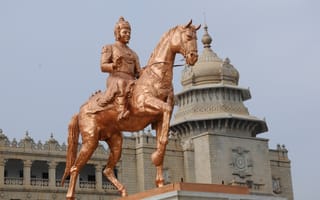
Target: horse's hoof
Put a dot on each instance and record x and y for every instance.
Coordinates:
(124, 193)
(159, 183)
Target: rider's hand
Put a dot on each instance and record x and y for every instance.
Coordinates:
(117, 63)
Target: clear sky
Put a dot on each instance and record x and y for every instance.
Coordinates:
(50, 52)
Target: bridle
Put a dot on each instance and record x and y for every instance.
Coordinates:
(184, 51)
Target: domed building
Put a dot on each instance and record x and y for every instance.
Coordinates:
(214, 140)
(218, 134)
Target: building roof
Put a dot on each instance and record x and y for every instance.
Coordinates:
(210, 68)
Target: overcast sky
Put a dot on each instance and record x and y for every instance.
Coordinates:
(50, 53)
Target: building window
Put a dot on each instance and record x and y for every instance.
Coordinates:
(91, 178)
(45, 175)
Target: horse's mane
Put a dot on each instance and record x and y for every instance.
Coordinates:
(163, 37)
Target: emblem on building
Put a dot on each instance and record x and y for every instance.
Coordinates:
(241, 162)
(276, 185)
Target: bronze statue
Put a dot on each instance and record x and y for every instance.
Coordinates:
(150, 102)
(123, 65)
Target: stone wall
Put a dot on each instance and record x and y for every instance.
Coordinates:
(281, 172)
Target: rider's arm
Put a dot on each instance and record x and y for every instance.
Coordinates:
(106, 63)
(137, 66)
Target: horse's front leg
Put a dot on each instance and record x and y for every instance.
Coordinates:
(156, 106)
(159, 176)
(162, 140)
(157, 157)
(163, 129)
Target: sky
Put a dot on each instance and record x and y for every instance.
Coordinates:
(50, 53)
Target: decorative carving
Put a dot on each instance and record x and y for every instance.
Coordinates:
(14, 143)
(52, 164)
(39, 147)
(276, 186)
(282, 152)
(209, 103)
(241, 162)
(2, 195)
(4, 139)
(29, 195)
(187, 145)
(27, 163)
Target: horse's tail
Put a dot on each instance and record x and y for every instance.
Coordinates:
(73, 138)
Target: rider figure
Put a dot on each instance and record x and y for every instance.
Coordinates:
(123, 65)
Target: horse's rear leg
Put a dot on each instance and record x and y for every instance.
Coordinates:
(115, 145)
(89, 145)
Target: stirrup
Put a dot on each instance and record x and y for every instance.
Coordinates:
(123, 115)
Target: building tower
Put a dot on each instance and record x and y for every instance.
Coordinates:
(219, 136)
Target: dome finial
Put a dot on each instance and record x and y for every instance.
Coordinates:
(206, 38)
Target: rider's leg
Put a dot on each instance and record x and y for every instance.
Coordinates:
(110, 92)
(122, 99)
(122, 107)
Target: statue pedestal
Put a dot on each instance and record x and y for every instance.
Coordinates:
(197, 191)
(189, 191)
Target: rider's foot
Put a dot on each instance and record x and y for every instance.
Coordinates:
(102, 102)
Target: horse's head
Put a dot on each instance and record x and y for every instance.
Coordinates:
(185, 42)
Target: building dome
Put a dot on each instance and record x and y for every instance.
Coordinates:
(210, 69)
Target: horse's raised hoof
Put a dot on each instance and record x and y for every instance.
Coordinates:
(70, 198)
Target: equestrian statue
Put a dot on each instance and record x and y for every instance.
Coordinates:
(135, 98)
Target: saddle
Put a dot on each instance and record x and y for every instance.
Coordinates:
(93, 105)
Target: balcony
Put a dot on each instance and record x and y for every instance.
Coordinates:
(13, 181)
(39, 182)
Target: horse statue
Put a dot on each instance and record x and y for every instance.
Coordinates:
(151, 102)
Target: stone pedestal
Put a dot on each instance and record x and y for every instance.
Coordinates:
(192, 191)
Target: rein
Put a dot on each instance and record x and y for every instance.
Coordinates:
(152, 72)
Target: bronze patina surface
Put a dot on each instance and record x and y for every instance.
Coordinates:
(134, 99)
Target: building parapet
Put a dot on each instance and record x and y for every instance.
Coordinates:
(279, 154)
(148, 139)
(50, 147)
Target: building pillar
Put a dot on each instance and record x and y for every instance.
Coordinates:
(188, 154)
(98, 177)
(2, 167)
(27, 172)
(52, 173)
(78, 182)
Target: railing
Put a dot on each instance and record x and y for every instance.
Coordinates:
(66, 183)
(13, 181)
(39, 182)
(88, 184)
(45, 183)
(108, 186)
